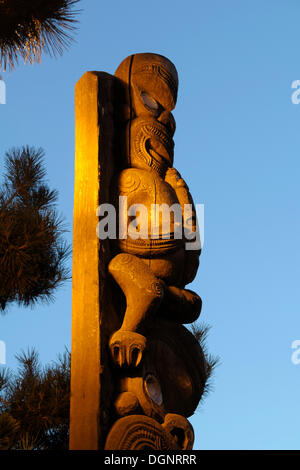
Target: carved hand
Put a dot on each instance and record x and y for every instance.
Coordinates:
(174, 179)
(127, 347)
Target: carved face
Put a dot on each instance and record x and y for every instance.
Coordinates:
(152, 85)
(151, 145)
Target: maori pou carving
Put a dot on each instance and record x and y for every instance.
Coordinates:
(160, 366)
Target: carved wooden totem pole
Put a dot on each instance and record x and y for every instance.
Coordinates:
(137, 373)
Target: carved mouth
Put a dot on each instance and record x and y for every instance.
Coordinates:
(159, 163)
(152, 144)
(158, 131)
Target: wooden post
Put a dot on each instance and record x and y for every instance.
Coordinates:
(90, 376)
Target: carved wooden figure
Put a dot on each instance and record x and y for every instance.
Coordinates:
(153, 271)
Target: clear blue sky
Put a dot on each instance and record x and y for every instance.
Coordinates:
(237, 145)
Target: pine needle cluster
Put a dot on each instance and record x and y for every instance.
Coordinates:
(34, 404)
(200, 333)
(28, 27)
(32, 250)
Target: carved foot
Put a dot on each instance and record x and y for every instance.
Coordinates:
(127, 403)
(127, 348)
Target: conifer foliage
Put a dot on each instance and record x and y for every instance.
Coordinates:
(28, 27)
(32, 250)
(34, 404)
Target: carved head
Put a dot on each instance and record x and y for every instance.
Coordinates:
(151, 84)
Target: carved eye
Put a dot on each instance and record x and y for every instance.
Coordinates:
(153, 389)
(149, 102)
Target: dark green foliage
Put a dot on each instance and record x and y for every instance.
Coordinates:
(32, 252)
(29, 26)
(34, 405)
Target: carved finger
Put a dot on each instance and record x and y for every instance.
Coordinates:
(136, 354)
(122, 361)
(115, 350)
(139, 357)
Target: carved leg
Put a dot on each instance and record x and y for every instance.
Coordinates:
(182, 305)
(144, 293)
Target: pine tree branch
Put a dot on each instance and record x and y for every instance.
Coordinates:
(29, 27)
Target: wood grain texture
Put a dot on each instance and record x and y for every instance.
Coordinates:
(91, 294)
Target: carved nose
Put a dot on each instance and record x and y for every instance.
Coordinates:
(167, 119)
